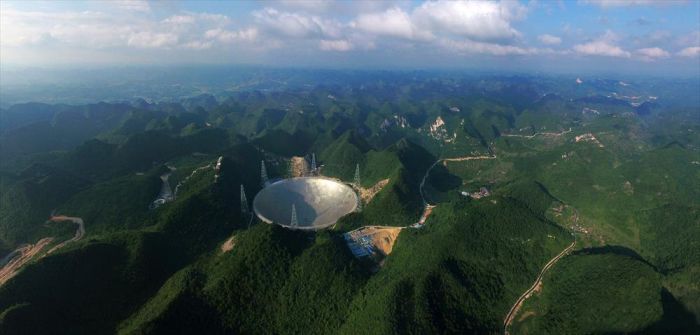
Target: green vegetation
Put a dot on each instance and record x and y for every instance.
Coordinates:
(623, 176)
(28, 202)
(445, 277)
(278, 275)
(90, 289)
(602, 290)
(115, 205)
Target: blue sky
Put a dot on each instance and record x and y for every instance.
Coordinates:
(636, 36)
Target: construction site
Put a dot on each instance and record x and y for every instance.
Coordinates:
(372, 241)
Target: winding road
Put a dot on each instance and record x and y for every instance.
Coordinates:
(79, 233)
(454, 159)
(538, 281)
(26, 253)
(535, 134)
(518, 303)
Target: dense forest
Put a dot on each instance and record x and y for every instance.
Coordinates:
(622, 182)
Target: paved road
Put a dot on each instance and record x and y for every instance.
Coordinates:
(535, 134)
(27, 252)
(79, 233)
(454, 159)
(24, 255)
(518, 303)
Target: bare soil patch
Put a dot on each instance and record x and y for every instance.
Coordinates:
(228, 245)
(382, 238)
(367, 194)
(526, 315)
(299, 166)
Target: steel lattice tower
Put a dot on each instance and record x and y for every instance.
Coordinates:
(313, 164)
(359, 203)
(244, 202)
(358, 186)
(263, 174)
(294, 223)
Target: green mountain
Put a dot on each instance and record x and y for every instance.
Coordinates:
(514, 170)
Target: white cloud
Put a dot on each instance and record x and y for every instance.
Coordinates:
(477, 20)
(308, 5)
(336, 6)
(426, 28)
(393, 22)
(28, 28)
(476, 47)
(198, 45)
(152, 40)
(650, 54)
(180, 19)
(691, 38)
(625, 3)
(335, 45)
(228, 36)
(690, 52)
(90, 30)
(601, 48)
(549, 39)
(132, 5)
(295, 24)
(605, 45)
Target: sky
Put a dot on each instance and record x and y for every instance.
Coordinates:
(634, 36)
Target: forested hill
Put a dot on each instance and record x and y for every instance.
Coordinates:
(514, 170)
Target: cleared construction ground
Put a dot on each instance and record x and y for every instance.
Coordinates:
(372, 240)
(228, 245)
(367, 194)
(298, 166)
